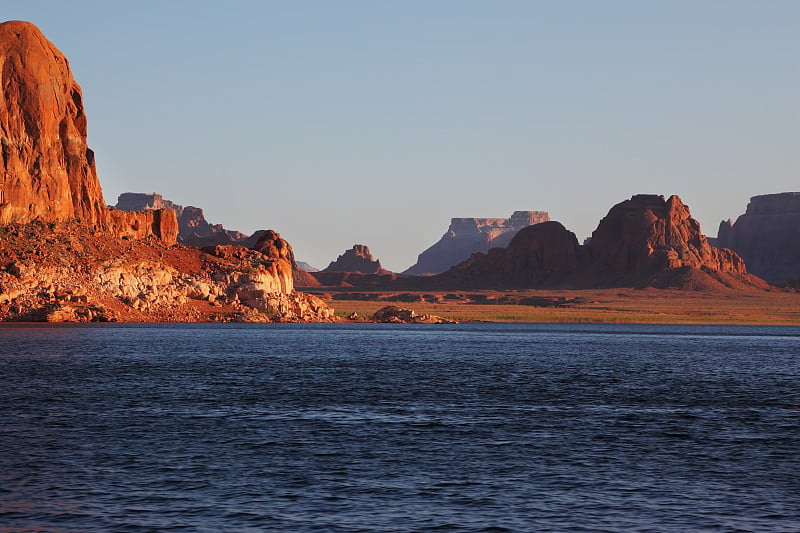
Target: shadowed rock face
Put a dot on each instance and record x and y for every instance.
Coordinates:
(767, 236)
(466, 236)
(541, 254)
(357, 259)
(643, 240)
(48, 172)
(647, 234)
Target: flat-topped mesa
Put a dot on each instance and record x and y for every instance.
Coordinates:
(466, 236)
(767, 236)
(48, 171)
(357, 259)
(138, 201)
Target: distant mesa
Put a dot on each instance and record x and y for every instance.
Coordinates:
(305, 266)
(767, 236)
(644, 241)
(465, 236)
(358, 259)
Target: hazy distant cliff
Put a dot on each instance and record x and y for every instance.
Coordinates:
(466, 236)
(767, 236)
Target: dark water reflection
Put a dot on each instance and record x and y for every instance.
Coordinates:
(397, 428)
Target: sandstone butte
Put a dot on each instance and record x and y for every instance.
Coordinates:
(645, 241)
(357, 259)
(65, 256)
(767, 236)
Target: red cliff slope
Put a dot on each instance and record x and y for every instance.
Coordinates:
(48, 170)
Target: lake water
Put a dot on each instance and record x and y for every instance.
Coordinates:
(475, 427)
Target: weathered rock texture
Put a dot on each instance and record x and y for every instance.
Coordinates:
(65, 256)
(466, 236)
(67, 272)
(48, 172)
(357, 259)
(160, 223)
(767, 236)
(193, 228)
(646, 240)
(648, 234)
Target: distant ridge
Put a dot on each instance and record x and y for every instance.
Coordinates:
(465, 236)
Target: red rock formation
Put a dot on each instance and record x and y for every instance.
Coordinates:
(541, 254)
(48, 170)
(646, 240)
(357, 259)
(271, 245)
(767, 236)
(193, 228)
(161, 223)
(647, 234)
(466, 236)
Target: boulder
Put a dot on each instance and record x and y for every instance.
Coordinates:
(48, 170)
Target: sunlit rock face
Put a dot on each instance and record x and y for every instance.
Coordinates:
(767, 236)
(48, 172)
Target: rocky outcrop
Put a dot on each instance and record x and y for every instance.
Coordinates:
(466, 236)
(69, 273)
(193, 228)
(160, 223)
(767, 236)
(646, 240)
(391, 314)
(357, 259)
(649, 234)
(48, 171)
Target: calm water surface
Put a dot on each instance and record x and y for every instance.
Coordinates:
(399, 428)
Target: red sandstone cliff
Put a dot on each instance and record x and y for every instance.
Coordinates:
(48, 170)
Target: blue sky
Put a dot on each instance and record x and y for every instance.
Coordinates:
(348, 122)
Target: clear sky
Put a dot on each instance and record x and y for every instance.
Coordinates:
(375, 122)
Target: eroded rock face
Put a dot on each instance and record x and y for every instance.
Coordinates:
(647, 234)
(48, 172)
(767, 236)
(160, 223)
(357, 259)
(193, 228)
(465, 236)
